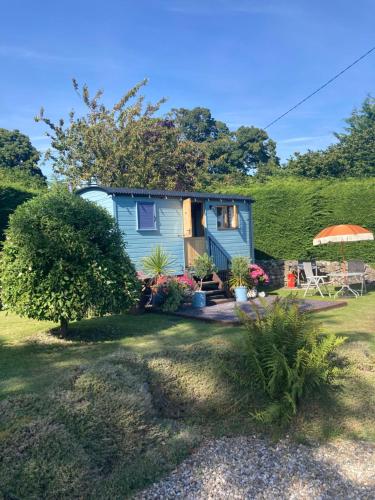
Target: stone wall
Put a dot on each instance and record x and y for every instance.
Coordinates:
(278, 270)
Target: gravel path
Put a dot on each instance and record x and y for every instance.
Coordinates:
(250, 467)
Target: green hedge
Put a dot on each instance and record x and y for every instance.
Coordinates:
(15, 188)
(289, 212)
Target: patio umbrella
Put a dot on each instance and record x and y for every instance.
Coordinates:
(342, 233)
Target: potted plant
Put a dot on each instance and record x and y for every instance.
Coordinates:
(239, 277)
(258, 277)
(157, 266)
(203, 266)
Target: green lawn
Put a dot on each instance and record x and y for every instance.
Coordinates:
(131, 395)
(33, 360)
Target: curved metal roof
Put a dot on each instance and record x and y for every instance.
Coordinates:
(162, 193)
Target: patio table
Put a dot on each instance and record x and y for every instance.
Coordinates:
(343, 278)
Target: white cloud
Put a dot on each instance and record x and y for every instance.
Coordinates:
(25, 53)
(227, 6)
(17, 52)
(312, 138)
(38, 138)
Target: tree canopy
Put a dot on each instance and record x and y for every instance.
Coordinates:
(195, 124)
(352, 156)
(243, 151)
(126, 144)
(18, 154)
(131, 143)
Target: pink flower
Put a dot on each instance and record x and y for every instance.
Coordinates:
(186, 281)
(258, 275)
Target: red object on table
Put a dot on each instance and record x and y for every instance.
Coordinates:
(291, 280)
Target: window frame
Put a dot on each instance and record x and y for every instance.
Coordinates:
(234, 217)
(153, 203)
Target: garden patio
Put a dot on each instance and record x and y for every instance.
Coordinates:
(226, 312)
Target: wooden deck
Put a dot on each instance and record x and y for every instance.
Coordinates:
(226, 313)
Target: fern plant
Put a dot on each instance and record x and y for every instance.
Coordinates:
(287, 357)
(158, 264)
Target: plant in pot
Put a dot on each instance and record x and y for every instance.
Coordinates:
(203, 266)
(239, 277)
(258, 279)
(157, 265)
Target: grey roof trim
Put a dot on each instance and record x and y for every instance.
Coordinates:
(166, 194)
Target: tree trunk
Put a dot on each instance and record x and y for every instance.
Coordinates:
(63, 327)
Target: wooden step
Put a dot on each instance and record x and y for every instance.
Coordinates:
(210, 285)
(213, 301)
(217, 292)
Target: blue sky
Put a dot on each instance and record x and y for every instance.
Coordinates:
(246, 60)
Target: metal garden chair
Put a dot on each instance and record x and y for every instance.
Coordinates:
(315, 281)
(356, 273)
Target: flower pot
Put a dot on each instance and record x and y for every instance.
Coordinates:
(240, 293)
(252, 293)
(199, 299)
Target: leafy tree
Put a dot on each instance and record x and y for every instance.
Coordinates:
(18, 154)
(251, 148)
(360, 119)
(122, 145)
(196, 124)
(203, 266)
(317, 164)
(352, 156)
(16, 186)
(244, 150)
(64, 257)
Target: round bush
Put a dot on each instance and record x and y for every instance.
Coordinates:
(64, 257)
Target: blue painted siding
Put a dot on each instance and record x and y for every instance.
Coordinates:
(169, 227)
(101, 198)
(169, 232)
(232, 242)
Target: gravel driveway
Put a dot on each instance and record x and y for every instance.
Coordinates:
(250, 467)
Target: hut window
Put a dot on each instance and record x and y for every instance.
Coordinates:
(227, 217)
(146, 216)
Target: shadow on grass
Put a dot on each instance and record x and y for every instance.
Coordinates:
(116, 327)
(39, 361)
(346, 411)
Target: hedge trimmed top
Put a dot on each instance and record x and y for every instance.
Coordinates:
(289, 212)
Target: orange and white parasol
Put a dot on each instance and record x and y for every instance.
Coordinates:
(342, 233)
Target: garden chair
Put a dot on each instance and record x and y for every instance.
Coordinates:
(356, 273)
(315, 281)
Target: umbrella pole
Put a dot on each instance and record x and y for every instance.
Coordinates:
(343, 257)
(343, 266)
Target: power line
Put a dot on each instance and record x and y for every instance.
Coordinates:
(322, 87)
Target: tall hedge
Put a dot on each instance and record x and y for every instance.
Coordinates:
(289, 212)
(15, 188)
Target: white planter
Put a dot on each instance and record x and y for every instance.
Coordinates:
(252, 293)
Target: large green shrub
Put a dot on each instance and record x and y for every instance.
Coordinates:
(289, 212)
(287, 357)
(15, 188)
(64, 257)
